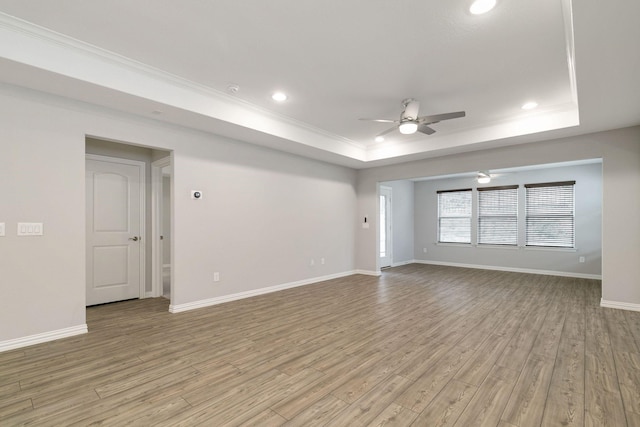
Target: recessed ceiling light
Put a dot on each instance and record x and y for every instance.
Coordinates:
(379, 138)
(529, 105)
(479, 7)
(279, 96)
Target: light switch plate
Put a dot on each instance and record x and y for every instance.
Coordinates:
(30, 229)
(1, 229)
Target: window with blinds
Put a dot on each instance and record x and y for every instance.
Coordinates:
(454, 216)
(550, 219)
(498, 215)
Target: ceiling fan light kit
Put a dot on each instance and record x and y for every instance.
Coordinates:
(408, 127)
(484, 177)
(411, 123)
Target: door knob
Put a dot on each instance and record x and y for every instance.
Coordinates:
(134, 238)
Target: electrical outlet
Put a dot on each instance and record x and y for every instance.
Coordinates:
(581, 259)
(1, 228)
(216, 277)
(322, 261)
(312, 263)
(424, 250)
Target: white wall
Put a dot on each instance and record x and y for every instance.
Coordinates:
(588, 205)
(401, 220)
(620, 151)
(264, 214)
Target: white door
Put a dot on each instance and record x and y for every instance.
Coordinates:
(386, 256)
(115, 220)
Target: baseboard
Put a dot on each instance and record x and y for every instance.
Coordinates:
(44, 337)
(367, 272)
(513, 270)
(248, 294)
(399, 263)
(619, 305)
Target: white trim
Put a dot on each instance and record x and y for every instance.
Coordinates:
(43, 337)
(388, 224)
(399, 263)
(248, 294)
(513, 269)
(25, 40)
(157, 266)
(143, 214)
(619, 305)
(368, 272)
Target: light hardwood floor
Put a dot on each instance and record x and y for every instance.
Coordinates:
(420, 345)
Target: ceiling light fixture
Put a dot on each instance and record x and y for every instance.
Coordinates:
(279, 96)
(408, 127)
(529, 105)
(379, 138)
(479, 7)
(484, 177)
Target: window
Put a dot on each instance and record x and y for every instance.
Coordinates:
(454, 216)
(550, 214)
(498, 215)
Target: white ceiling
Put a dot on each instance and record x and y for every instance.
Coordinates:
(338, 61)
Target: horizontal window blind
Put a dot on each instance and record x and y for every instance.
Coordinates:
(454, 216)
(550, 214)
(498, 215)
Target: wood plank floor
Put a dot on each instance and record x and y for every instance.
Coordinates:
(421, 345)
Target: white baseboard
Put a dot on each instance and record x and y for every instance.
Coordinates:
(367, 272)
(44, 337)
(248, 294)
(619, 305)
(513, 270)
(399, 263)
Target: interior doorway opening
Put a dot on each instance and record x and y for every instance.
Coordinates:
(137, 236)
(385, 244)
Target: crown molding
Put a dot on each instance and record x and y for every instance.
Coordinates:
(54, 52)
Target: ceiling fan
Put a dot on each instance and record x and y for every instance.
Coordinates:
(410, 123)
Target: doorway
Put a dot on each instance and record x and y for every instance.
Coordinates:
(386, 241)
(161, 172)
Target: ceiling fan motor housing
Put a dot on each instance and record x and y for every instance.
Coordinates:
(411, 109)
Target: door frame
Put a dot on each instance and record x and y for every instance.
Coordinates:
(141, 169)
(389, 227)
(157, 264)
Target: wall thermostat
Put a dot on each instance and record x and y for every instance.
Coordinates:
(196, 194)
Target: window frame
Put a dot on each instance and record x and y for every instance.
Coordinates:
(549, 216)
(513, 215)
(440, 217)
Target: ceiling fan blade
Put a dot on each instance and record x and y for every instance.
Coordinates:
(387, 131)
(411, 109)
(426, 129)
(439, 117)
(381, 120)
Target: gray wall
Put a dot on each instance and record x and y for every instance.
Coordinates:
(620, 151)
(588, 205)
(401, 220)
(264, 214)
